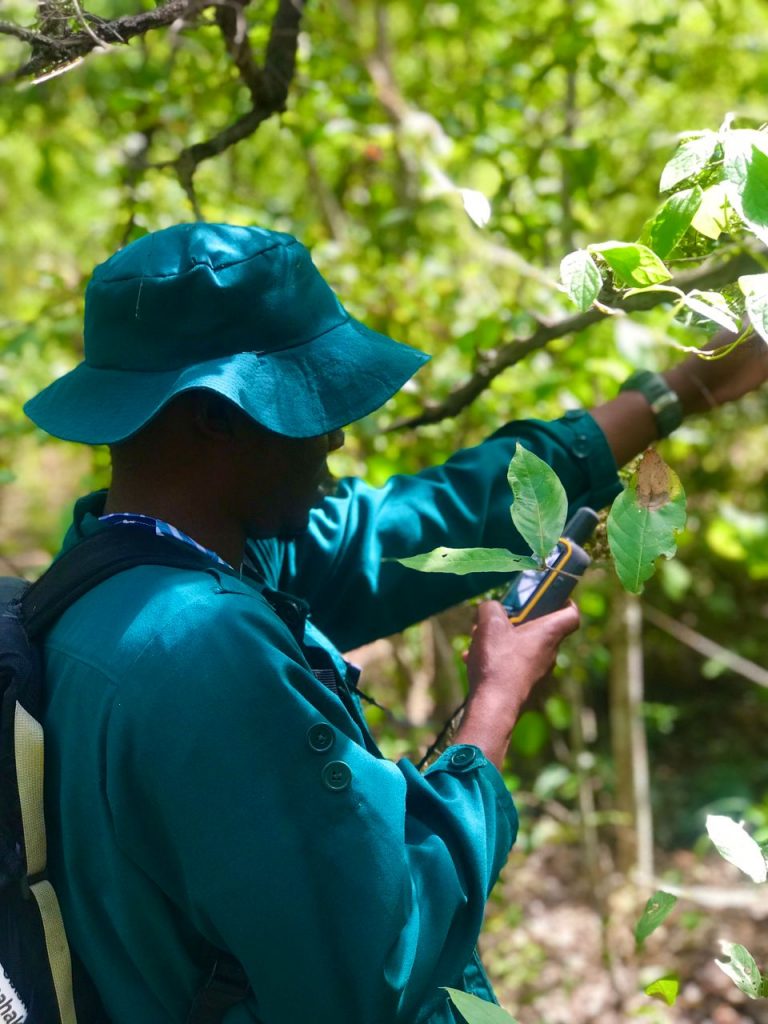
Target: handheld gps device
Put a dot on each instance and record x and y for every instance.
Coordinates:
(536, 592)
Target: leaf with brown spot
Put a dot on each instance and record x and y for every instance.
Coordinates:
(653, 481)
(644, 520)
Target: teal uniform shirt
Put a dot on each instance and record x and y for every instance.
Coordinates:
(206, 789)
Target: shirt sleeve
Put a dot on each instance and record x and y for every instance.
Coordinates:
(251, 803)
(339, 567)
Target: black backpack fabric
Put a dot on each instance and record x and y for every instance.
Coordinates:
(40, 983)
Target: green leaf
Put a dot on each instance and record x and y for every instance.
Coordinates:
(737, 153)
(464, 560)
(754, 194)
(540, 504)
(644, 519)
(690, 158)
(478, 1011)
(581, 278)
(635, 266)
(656, 911)
(530, 734)
(711, 218)
(737, 846)
(713, 306)
(755, 289)
(741, 968)
(666, 989)
(667, 228)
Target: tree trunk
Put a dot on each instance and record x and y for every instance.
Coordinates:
(630, 751)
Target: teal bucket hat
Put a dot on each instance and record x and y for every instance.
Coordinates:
(240, 311)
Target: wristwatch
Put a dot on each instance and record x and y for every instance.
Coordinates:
(664, 402)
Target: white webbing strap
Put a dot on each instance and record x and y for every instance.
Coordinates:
(28, 743)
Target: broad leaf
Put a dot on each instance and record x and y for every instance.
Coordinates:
(656, 910)
(754, 193)
(737, 846)
(714, 307)
(581, 278)
(738, 145)
(464, 560)
(690, 158)
(711, 218)
(540, 504)
(670, 224)
(635, 266)
(755, 289)
(741, 968)
(644, 519)
(666, 989)
(477, 1011)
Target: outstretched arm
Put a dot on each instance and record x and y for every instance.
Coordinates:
(700, 384)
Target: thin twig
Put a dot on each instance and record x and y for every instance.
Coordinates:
(707, 648)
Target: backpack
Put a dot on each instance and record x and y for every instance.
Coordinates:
(41, 982)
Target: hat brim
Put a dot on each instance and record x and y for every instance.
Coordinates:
(310, 389)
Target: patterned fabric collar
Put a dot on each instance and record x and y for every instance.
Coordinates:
(161, 528)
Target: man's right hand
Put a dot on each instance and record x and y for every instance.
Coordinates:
(504, 663)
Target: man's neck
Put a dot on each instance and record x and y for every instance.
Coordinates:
(208, 526)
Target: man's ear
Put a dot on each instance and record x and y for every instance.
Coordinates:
(213, 416)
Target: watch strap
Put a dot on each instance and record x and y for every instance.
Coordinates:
(664, 402)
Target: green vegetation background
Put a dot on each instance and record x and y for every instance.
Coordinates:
(563, 112)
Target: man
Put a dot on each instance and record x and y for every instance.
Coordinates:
(211, 783)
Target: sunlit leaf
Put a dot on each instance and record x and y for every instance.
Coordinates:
(714, 307)
(478, 1011)
(633, 265)
(754, 193)
(738, 145)
(711, 218)
(644, 520)
(464, 560)
(540, 504)
(581, 278)
(690, 158)
(670, 224)
(666, 989)
(737, 846)
(477, 205)
(741, 968)
(755, 289)
(656, 910)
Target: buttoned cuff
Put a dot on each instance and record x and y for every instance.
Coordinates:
(465, 757)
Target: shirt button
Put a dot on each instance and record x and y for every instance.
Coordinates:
(463, 756)
(320, 737)
(581, 446)
(336, 776)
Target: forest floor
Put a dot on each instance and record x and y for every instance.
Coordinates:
(558, 956)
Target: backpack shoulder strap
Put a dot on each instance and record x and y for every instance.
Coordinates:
(72, 575)
(98, 558)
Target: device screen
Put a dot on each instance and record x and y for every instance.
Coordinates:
(525, 585)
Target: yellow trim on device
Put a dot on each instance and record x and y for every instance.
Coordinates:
(523, 615)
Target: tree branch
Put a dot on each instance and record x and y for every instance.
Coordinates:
(231, 21)
(268, 85)
(710, 276)
(49, 53)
